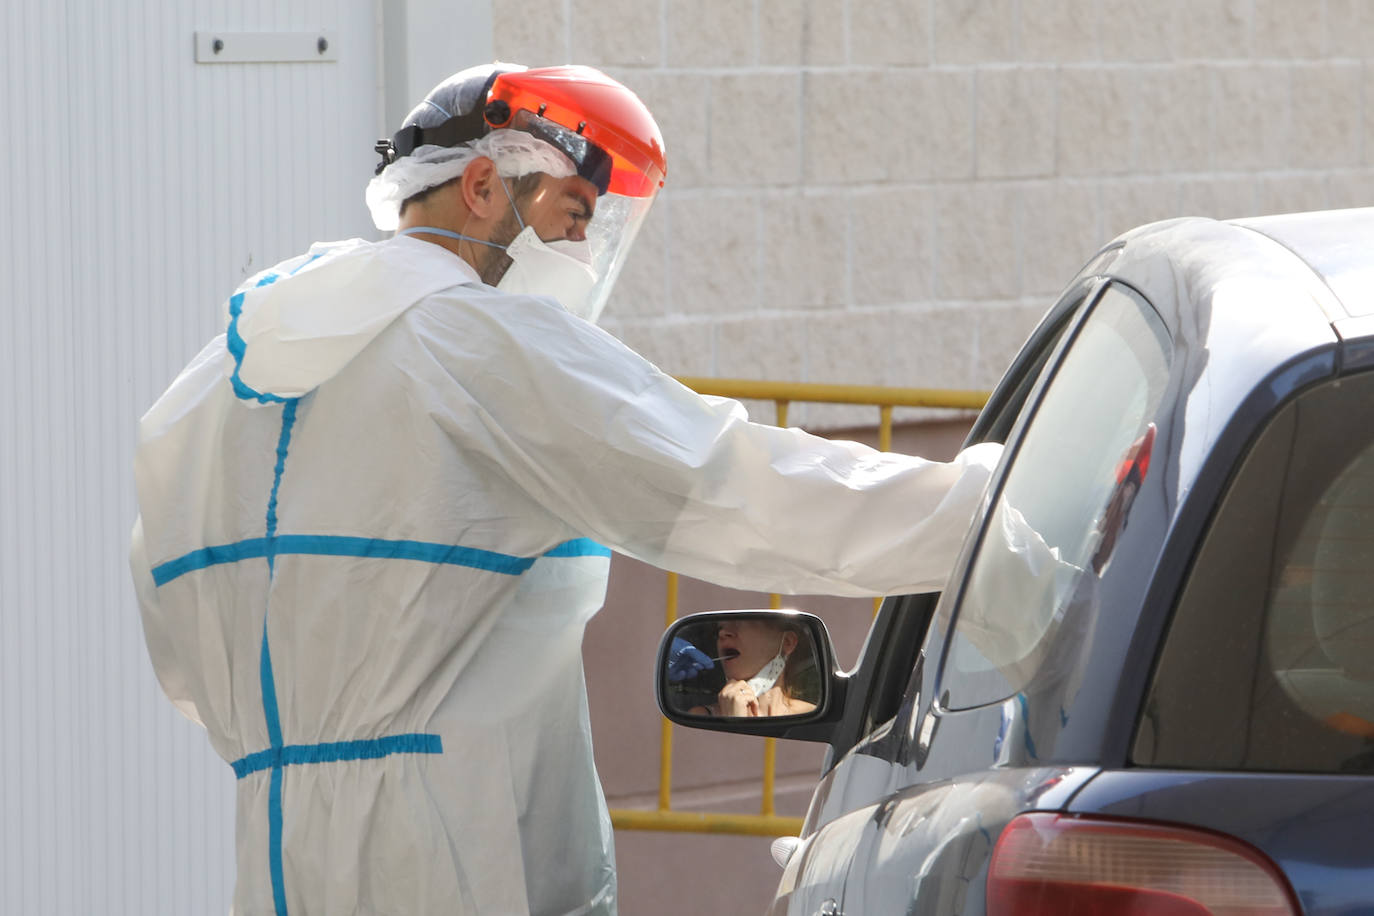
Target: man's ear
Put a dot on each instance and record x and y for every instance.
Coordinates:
(789, 642)
(480, 193)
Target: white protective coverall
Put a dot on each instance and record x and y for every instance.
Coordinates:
(371, 534)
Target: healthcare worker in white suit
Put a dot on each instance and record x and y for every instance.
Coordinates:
(377, 512)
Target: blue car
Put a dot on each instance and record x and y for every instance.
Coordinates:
(1149, 685)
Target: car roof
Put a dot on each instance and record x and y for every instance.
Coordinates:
(1327, 256)
(1338, 245)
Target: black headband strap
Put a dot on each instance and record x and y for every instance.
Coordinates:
(455, 130)
(592, 162)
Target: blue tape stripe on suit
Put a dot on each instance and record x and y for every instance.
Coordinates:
(269, 691)
(251, 549)
(269, 687)
(377, 548)
(274, 859)
(581, 547)
(332, 752)
(238, 347)
(288, 420)
(306, 263)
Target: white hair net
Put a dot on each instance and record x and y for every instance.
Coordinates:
(514, 152)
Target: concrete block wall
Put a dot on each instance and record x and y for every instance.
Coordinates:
(892, 191)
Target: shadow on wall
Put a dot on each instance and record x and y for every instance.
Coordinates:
(684, 874)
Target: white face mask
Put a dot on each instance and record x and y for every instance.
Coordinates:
(762, 682)
(561, 270)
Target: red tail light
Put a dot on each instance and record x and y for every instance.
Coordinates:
(1048, 864)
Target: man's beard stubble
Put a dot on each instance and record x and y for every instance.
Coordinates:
(495, 261)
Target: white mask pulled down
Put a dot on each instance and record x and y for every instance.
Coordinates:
(762, 682)
(561, 270)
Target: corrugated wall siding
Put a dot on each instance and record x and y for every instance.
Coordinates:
(139, 187)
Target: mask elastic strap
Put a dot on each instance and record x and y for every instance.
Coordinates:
(513, 207)
(769, 674)
(434, 230)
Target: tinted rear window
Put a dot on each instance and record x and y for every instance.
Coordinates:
(1269, 661)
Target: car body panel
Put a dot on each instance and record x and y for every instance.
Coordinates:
(951, 825)
(1318, 829)
(1333, 243)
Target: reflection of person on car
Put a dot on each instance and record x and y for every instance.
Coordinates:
(763, 661)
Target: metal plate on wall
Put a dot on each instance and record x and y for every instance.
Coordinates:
(265, 47)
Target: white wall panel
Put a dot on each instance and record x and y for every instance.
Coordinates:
(138, 189)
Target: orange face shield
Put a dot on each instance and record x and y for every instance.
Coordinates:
(600, 125)
(609, 135)
(587, 115)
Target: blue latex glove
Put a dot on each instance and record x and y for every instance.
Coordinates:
(686, 660)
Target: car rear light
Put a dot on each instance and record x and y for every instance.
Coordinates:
(1046, 863)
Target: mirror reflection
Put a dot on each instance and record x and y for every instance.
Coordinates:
(742, 665)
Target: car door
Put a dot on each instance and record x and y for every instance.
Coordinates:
(867, 748)
(962, 764)
(882, 679)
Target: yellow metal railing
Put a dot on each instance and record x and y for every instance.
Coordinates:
(767, 822)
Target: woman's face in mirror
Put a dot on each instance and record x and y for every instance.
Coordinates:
(745, 646)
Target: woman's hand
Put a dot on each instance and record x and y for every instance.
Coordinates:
(737, 698)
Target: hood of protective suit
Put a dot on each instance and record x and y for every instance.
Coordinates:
(295, 326)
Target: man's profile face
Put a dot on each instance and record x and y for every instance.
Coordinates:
(560, 208)
(557, 208)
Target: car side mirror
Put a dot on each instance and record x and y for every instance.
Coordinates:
(758, 671)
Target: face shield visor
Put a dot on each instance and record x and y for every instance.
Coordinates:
(610, 234)
(605, 131)
(611, 139)
(579, 274)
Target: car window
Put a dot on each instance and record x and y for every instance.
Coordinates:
(1268, 663)
(1062, 501)
(893, 652)
(998, 417)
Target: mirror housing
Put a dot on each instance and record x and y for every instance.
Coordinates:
(705, 675)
